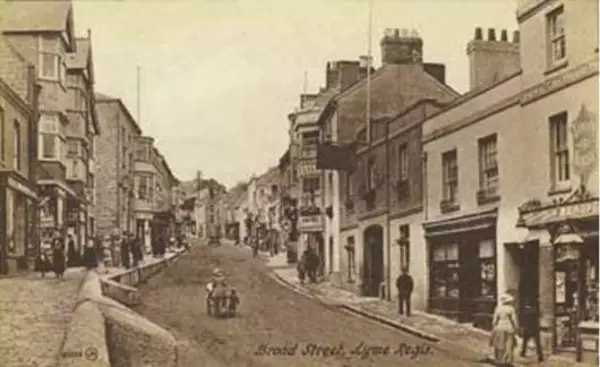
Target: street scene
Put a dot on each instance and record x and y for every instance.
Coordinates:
(344, 183)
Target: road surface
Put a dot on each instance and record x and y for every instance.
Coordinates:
(276, 326)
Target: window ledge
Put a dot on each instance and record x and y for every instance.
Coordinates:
(485, 198)
(556, 67)
(559, 190)
(448, 206)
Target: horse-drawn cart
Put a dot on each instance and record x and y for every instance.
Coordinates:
(221, 301)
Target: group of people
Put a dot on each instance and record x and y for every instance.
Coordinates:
(219, 284)
(61, 259)
(308, 266)
(125, 250)
(505, 328)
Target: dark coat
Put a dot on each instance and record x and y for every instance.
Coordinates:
(404, 284)
(530, 319)
(58, 258)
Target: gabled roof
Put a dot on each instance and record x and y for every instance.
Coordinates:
(103, 98)
(35, 16)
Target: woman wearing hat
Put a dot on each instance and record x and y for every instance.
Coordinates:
(504, 331)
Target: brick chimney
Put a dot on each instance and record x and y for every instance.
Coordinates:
(342, 74)
(491, 59)
(401, 47)
(363, 63)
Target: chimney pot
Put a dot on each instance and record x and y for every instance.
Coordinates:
(516, 37)
(504, 36)
(491, 34)
(396, 32)
(478, 34)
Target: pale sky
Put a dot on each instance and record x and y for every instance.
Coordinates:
(220, 76)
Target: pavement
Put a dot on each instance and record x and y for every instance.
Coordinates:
(448, 334)
(34, 315)
(275, 326)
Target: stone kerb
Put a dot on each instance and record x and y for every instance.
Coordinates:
(85, 340)
(125, 294)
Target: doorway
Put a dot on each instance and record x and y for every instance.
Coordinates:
(528, 274)
(330, 270)
(372, 260)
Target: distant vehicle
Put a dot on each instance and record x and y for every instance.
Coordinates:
(213, 234)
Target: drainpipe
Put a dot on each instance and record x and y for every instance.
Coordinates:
(388, 210)
(118, 158)
(33, 101)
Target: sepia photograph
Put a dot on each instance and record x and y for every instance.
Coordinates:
(265, 183)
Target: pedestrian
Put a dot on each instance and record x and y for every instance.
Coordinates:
(234, 302)
(58, 257)
(404, 285)
(504, 330)
(125, 250)
(72, 255)
(42, 263)
(136, 251)
(312, 263)
(89, 256)
(531, 327)
(301, 267)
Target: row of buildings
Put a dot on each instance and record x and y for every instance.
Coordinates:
(477, 194)
(73, 162)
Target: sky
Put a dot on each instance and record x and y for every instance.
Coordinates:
(219, 77)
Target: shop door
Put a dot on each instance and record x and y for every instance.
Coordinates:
(468, 280)
(528, 274)
(372, 260)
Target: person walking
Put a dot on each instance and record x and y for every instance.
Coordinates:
(125, 250)
(136, 250)
(58, 257)
(72, 255)
(89, 255)
(404, 285)
(531, 327)
(504, 330)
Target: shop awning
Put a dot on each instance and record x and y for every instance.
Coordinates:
(466, 223)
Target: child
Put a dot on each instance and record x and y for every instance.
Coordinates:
(42, 264)
(234, 301)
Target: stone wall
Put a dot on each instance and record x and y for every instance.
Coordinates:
(105, 333)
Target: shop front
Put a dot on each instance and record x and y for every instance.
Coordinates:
(567, 232)
(462, 268)
(17, 222)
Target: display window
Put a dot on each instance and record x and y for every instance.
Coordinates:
(445, 270)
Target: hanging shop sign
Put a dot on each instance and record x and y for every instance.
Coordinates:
(583, 130)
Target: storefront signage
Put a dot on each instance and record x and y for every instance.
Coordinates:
(311, 223)
(583, 129)
(576, 210)
(307, 168)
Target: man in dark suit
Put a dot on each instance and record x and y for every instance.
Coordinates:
(531, 327)
(404, 285)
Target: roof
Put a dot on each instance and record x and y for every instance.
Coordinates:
(103, 98)
(35, 16)
(80, 58)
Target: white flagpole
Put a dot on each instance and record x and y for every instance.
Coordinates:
(369, 51)
(138, 94)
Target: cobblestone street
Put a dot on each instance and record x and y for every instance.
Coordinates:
(34, 316)
(270, 315)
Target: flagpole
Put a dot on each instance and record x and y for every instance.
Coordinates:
(138, 94)
(369, 52)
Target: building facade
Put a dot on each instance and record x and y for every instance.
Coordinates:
(512, 179)
(115, 149)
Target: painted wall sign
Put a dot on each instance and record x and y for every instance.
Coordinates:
(583, 130)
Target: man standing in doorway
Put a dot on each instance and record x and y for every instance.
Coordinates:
(405, 285)
(531, 327)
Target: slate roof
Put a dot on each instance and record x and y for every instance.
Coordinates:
(34, 15)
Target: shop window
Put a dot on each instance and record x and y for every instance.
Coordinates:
(310, 184)
(557, 47)
(17, 146)
(487, 268)
(450, 176)
(488, 165)
(445, 268)
(590, 311)
(559, 148)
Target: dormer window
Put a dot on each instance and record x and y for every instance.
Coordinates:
(557, 47)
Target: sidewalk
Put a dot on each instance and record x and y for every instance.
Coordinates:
(34, 315)
(452, 336)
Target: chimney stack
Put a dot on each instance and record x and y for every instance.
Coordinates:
(516, 37)
(401, 49)
(492, 60)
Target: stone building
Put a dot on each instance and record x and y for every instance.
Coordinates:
(41, 33)
(80, 138)
(512, 176)
(115, 164)
(18, 192)
(374, 228)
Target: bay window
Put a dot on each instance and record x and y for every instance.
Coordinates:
(50, 141)
(51, 64)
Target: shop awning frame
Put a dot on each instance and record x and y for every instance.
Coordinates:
(464, 223)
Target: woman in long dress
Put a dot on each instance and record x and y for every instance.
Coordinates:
(58, 258)
(504, 331)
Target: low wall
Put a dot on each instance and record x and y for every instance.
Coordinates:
(101, 322)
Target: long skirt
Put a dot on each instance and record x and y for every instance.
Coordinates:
(504, 343)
